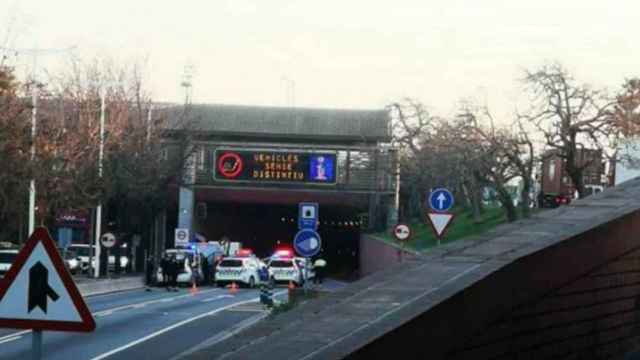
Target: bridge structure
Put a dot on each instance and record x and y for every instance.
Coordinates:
(248, 167)
(564, 284)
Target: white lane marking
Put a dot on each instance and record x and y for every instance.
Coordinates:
(390, 312)
(223, 335)
(142, 304)
(14, 335)
(108, 312)
(10, 339)
(218, 298)
(169, 328)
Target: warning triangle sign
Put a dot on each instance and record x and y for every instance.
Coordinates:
(38, 293)
(440, 222)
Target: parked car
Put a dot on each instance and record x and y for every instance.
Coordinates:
(83, 252)
(71, 260)
(7, 257)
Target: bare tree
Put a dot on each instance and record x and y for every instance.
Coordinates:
(571, 117)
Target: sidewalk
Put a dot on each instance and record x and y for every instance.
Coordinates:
(91, 286)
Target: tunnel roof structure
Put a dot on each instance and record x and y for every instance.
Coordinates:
(365, 126)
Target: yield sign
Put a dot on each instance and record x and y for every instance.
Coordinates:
(38, 292)
(440, 222)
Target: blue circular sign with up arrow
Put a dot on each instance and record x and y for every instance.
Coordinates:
(307, 243)
(440, 200)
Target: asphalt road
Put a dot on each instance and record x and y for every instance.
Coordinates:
(145, 325)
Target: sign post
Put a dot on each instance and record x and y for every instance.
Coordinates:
(440, 201)
(307, 243)
(38, 293)
(402, 233)
(36, 344)
(108, 240)
(182, 237)
(308, 214)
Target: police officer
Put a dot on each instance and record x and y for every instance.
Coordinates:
(206, 270)
(174, 272)
(149, 272)
(164, 264)
(319, 266)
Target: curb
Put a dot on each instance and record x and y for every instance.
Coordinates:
(110, 286)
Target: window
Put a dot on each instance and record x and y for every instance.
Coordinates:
(281, 264)
(231, 263)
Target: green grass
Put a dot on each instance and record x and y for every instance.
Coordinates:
(423, 237)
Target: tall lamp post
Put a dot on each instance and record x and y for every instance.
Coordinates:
(103, 106)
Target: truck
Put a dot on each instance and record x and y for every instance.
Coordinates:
(556, 185)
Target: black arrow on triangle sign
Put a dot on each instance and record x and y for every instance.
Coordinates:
(39, 289)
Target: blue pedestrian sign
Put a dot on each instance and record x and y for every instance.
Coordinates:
(308, 216)
(440, 200)
(307, 243)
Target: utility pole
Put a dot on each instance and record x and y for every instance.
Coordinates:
(103, 106)
(34, 113)
(187, 84)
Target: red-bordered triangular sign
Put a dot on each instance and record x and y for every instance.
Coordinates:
(38, 293)
(440, 222)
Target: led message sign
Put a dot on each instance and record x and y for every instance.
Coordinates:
(275, 166)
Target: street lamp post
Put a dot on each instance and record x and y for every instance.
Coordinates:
(103, 95)
(98, 233)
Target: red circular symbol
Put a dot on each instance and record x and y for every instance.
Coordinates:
(230, 165)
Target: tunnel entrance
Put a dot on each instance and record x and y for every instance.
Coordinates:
(264, 227)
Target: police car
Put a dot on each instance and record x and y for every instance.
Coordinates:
(287, 268)
(243, 268)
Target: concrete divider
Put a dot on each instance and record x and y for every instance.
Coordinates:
(103, 286)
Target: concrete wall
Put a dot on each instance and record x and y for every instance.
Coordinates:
(578, 299)
(376, 255)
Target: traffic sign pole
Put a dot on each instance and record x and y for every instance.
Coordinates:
(36, 344)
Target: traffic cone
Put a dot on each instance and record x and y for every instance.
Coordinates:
(194, 289)
(291, 285)
(234, 288)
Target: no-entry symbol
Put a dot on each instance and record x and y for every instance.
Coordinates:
(402, 232)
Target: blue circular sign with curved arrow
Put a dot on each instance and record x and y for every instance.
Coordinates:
(441, 200)
(307, 243)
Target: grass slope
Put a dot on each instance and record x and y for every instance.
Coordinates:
(462, 226)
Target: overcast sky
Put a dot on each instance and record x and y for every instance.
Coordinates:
(342, 53)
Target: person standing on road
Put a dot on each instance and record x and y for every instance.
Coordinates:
(172, 274)
(195, 267)
(149, 272)
(206, 271)
(319, 266)
(164, 264)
